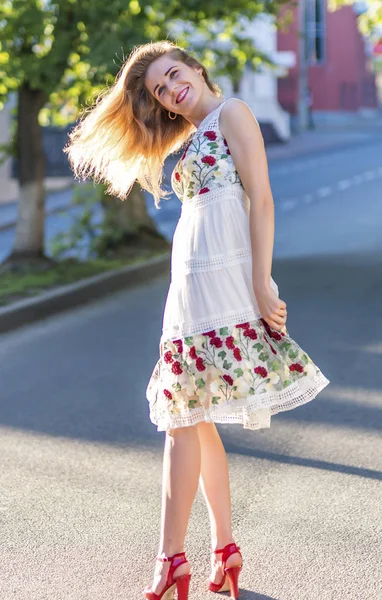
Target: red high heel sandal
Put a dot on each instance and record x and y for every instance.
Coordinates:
(230, 581)
(181, 583)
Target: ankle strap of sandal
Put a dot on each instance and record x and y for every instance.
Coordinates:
(227, 551)
(176, 560)
(170, 558)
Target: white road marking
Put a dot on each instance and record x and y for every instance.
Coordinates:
(344, 184)
(324, 192)
(288, 205)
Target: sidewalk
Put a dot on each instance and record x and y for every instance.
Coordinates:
(324, 138)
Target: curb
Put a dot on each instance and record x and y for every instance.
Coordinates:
(85, 291)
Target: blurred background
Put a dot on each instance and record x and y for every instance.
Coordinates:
(81, 462)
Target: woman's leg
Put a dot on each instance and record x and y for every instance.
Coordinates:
(214, 481)
(181, 470)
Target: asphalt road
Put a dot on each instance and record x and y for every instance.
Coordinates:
(81, 463)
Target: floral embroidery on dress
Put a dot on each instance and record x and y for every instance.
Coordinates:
(231, 363)
(206, 164)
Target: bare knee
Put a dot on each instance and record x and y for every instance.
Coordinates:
(182, 431)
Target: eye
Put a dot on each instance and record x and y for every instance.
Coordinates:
(173, 73)
(160, 90)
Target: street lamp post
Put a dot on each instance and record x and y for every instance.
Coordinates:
(303, 92)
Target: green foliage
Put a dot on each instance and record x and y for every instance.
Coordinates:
(72, 49)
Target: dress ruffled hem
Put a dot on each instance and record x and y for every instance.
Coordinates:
(252, 412)
(242, 374)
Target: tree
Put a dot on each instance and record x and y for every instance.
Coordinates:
(55, 54)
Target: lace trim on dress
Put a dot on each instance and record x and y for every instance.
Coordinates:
(228, 319)
(254, 412)
(195, 265)
(218, 194)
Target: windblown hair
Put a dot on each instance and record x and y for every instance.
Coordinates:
(127, 134)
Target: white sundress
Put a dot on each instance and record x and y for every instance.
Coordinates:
(220, 361)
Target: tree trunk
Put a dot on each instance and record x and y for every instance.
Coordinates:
(29, 243)
(128, 228)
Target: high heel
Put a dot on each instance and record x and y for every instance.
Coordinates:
(230, 581)
(181, 583)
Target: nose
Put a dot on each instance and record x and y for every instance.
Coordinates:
(172, 88)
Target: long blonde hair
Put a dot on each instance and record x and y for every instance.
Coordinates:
(127, 134)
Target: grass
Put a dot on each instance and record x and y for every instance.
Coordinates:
(19, 285)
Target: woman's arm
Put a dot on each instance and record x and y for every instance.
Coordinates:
(245, 142)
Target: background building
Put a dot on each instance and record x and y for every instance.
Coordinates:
(340, 75)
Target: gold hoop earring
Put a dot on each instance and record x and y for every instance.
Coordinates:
(170, 117)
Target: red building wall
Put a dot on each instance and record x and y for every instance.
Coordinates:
(343, 82)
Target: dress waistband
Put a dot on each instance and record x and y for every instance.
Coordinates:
(218, 194)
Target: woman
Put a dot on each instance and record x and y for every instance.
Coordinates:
(225, 355)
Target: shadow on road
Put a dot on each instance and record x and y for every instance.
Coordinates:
(86, 380)
(248, 595)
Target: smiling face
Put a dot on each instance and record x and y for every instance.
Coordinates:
(178, 87)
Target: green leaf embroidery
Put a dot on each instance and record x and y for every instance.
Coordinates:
(223, 331)
(234, 388)
(286, 383)
(191, 403)
(222, 354)
(189, 341)
(227, 365)
(215, 400)
(258, 347)
(285, 346)
(251, 391)
(304, 359)
(176, 386)
(275, 366)
(293, 354)
(200, 383)
(239, 372)
(263, 356)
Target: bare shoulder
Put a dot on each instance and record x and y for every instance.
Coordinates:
(236, 116)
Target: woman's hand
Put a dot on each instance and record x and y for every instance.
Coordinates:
(272, 309)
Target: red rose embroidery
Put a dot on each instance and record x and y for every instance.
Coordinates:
(200, 364)
(168, 357)
(251, 333)
(211, 135)
(209, 160)
(211, 334)
(216, 341)
(229, 342)
(237, 354)
(204, 190)
(270, 345)
(267, 328)
(193, 354)
(261, 371)
(176, 368)
(167, 394)
(296, 367)
(228, 379)
(242, 326)
(179, 345)
(185, 152)
(276, 336)
(226, 145)
(177, 176)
